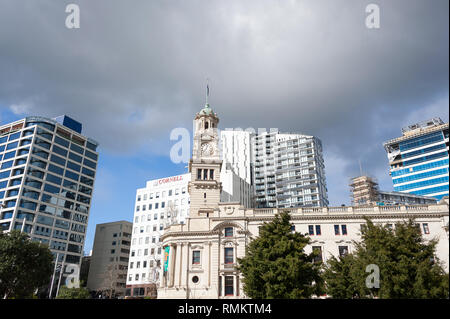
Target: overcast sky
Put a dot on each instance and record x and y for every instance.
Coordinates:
(133, 71)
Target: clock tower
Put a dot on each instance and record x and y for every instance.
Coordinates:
(205, 186)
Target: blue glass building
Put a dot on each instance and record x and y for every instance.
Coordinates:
(419, 159)
(47, 173)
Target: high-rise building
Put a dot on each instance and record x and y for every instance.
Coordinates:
(109, 260)
(162, 202)
(236, 169)
(289, 170)
(47, 175)
(419, 159)
(236, 152)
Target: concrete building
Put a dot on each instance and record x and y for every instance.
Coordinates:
(84, 270)
(109, 260)
(419, 159)
(289, 170)
(200, 255)
(47, 175)
(364, 191)
(161, 203)
(236, 170)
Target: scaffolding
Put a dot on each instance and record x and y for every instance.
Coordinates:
(364, 191)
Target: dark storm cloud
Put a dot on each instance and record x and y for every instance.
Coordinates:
(135, 70)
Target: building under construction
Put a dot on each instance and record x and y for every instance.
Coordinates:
(365, 192)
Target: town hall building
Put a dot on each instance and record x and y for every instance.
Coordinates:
(200, 255)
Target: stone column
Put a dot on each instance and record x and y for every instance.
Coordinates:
(209, 270)
(171, 267)
(180, 262)
(223, 285)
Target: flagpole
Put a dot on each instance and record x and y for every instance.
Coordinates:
(53, 276)
(60, 278)
(207, 90)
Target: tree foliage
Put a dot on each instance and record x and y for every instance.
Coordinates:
(276, 266)
(24, 265)
(407, 264)
(73, 293)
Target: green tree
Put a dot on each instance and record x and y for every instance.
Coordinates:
(340, 282)
(276, 266)
(73, 293)
(24, 265)
(407, 264)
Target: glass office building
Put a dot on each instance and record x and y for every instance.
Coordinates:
(419, 159)
(47, 173)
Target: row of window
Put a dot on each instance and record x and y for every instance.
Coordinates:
(421, 141)
(64, 136)
(202, 174)
(421, 184)
(433, 190)
(162, 215)
(145, 252)
(315, 230)
(183, 201)
(162, 193)
(420, 176)
(62, 160)
(424, 150)
(420, 168)
(425, 158)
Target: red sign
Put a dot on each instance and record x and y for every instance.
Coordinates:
(170, 179)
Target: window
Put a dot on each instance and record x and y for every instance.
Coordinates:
(211, 174)
(228, 255)
(199, 173)
(344, 229)
(229, 291)
(426, 230)
(196, 257)
(318, 232)
(343, 250)
(311, 229)
(228, 231)
(318, 251)
(336, 230)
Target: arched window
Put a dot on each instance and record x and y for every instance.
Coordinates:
(206, 125)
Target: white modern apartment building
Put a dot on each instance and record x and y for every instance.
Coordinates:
(236, 170)
(419, 159)
(289, 170)
(162, 202)
(47, 173)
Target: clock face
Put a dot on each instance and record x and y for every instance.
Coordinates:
(207, 149)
